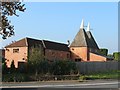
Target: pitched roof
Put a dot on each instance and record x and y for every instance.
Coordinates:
(33, 42)
(93, 43)
(55, 45)
(19, 43)
(45, 43)
(84, 39)
(80, 40)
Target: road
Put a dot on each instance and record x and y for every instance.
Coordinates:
(53, 85)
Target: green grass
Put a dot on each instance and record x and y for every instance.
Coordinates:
(103, 75)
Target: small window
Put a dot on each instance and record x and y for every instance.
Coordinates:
(15, 50)
(73, 49)
(7, 49)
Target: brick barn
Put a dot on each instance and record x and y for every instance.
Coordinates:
(19, 51)
(83, 48)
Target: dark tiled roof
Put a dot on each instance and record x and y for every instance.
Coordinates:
(93, 43)
(19, 43)
(107, 57)
(101, 55)
(80, 40)
(26, 42)
(56, 46)
(34, 42)
(97, 53)
(83, 39)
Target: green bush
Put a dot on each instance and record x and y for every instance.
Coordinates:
(116, 56)
(81, 78)
(15, 77)
(42, 67)
(22, 67)
(60, 67)
(12, 68)
(4, 68)
(57, 67)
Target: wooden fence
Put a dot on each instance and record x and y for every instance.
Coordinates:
(96, 67)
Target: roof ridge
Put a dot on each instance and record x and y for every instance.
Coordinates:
(33, 38)
(55, 42)
(92, 40)
(86, 38)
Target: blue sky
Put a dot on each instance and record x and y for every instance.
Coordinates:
(61, 22)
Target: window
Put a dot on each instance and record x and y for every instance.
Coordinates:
(15, 50)
(77, 60)
(7, 49)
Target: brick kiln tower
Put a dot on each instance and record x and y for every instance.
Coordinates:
(84, 46)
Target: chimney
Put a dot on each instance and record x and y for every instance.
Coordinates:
(68, 41)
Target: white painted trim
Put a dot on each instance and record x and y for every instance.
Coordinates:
(26, 41)
(43, 44)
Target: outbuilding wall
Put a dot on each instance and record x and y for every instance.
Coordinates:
(10, 56)
(55, 54)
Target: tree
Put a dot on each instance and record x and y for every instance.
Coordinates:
(4, 68)
(9, 9)
(104, 51)
(110, 55)
(116, 56)
(12, 68)
(35, 58)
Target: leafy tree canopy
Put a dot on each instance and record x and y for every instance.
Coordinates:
(116, 56)
(9, 9)
(104, 51)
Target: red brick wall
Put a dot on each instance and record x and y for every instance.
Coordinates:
(79, 52)
(17, 57)
(95, 57)
(85, 55)
(55, 54)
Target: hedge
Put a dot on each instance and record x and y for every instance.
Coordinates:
(39, 71)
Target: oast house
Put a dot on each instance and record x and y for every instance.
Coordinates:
(82, 48)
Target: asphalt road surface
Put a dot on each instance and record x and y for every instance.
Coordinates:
(63, 85)
(59, 89)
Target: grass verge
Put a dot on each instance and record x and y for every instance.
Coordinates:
(103, 75)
